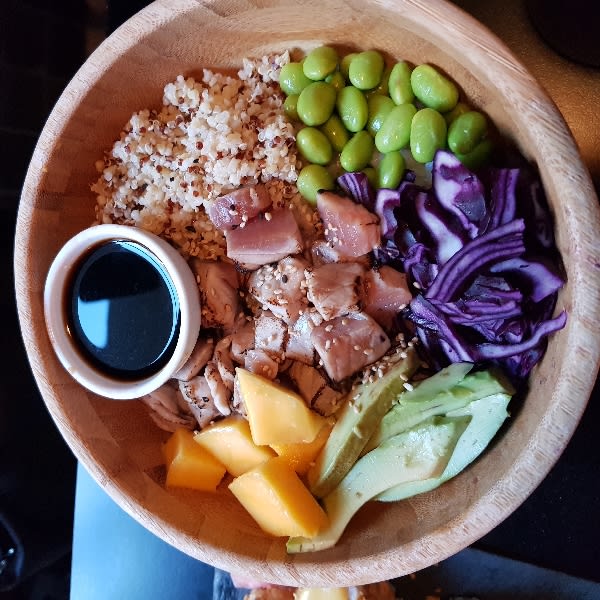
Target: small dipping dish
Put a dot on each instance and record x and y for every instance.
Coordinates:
(122, 309)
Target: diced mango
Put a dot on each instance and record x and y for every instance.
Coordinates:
(189, 465)
(301, 456)
(321, 594)
(276, 414)
(230, 441)
(278, 500)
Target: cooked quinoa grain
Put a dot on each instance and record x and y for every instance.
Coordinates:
(210, 136)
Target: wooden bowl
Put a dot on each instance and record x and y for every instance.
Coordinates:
(118, 443)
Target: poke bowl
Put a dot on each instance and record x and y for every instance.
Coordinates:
(144, 76)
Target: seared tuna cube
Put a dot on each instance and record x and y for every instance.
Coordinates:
(347, 344)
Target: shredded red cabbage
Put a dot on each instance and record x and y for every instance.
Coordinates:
(479, 250)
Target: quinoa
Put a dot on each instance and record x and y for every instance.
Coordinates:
(211, 136)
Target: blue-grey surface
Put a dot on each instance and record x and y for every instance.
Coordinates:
(115, 558)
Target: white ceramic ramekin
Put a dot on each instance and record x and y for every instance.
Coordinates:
(55, 298)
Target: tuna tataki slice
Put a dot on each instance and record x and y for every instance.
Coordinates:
(348, 344)
(349, 227)
(265, 239)
(232, 209)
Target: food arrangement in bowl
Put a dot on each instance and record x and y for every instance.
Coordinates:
(378, 276)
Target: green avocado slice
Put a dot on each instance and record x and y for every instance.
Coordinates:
(356, 421)
(412, 407)
(419, 454)
(487, 416)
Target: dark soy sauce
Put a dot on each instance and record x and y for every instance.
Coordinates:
(123, 310)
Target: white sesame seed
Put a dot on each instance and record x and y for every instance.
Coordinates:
(408, 386)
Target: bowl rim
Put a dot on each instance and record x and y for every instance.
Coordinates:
(582, 330)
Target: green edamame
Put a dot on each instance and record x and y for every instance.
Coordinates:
(336, 80)
(314, 146)
(478, 156)
(336, 133)
(320, 62)
(466, 132)
(390, 170)
(433, 89)
(460, 109)
(379, 108)
(292, 79)
(352, 108)
(316, 103)
(383, 88)
(399, 86)
(366, 69)
(371, 174)
(427, 134)
(358, 152)
(290, 107)
(345, 64)
(313, 178)
(394, 132)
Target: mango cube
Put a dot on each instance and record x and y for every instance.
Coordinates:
(278, 500)
(301, 456)
(230, 441)
(276, 414)
(321, 594)
(190, 465)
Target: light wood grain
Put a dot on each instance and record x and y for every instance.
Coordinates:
(117, 442)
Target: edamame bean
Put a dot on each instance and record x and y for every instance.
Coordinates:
(357, 152)
(433, 89)
(371, 174)
(460, 109)
(313, 178)
(383, 88)
(345, 64)
(478, 156)
(290, 107)
(336, 80)
(352, 108)
(390, 170)
(336, 133)
(314, 146)
(366, 69)
(400, 89)
(394, 132)
(316, 103)
(292, 79)
(427, 134)
(466, 132)
(320, 62)
(379, 108)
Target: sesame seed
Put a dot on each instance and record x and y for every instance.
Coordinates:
(268, 216)
(357, 347)
(328, 328)
(408, 386)
(327, 344)
(417, 285)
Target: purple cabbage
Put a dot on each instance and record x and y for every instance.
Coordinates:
(357, 186)
(479, 250)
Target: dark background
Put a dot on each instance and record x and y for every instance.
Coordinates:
(42, 43)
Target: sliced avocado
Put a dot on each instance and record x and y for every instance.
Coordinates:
(419, 454)
(361, 413)
(487, 416)
(407, 413)
(440, 382)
